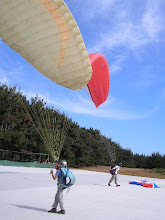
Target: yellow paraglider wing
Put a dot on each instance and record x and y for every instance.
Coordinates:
(45, 33)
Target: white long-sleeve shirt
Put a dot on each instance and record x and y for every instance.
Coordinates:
(117, 168)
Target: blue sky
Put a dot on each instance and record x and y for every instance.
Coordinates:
(131, 35)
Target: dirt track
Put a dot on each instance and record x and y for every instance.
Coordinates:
(127, 171)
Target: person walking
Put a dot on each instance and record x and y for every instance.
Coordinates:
(114, 170)
(60, 182)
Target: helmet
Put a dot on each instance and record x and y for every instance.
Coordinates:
(63, 164)
(120, 164)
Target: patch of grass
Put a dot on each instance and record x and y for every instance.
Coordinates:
(159, 170)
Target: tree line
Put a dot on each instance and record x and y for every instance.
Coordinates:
(80, 146)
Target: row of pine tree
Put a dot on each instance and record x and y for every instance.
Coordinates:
(25, 126)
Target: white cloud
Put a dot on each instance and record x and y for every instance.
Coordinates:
(125, 35)
(124, 31)
(84, 106)
(88, 10)
(152, 21)
(115, 67)
(9, 77)
(127, 32)
(4, 80)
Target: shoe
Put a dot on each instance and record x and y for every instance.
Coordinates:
(61, 212)
(117, 185)
(109, 184)
(53, 210)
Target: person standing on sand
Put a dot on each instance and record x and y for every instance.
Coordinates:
(114, 170)
(59, 195)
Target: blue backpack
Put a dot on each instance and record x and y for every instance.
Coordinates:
(68, 175)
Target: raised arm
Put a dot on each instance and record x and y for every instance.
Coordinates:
(54, 177)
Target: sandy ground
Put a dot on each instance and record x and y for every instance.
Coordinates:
(28, 194)
(127, 171)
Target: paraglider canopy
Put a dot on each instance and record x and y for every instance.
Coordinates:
(45, 33)
(99, 84)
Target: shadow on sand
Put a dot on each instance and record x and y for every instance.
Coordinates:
(96, 184)
(30, 207)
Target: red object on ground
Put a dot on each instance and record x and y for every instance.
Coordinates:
(148, 185)
(100, 81)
